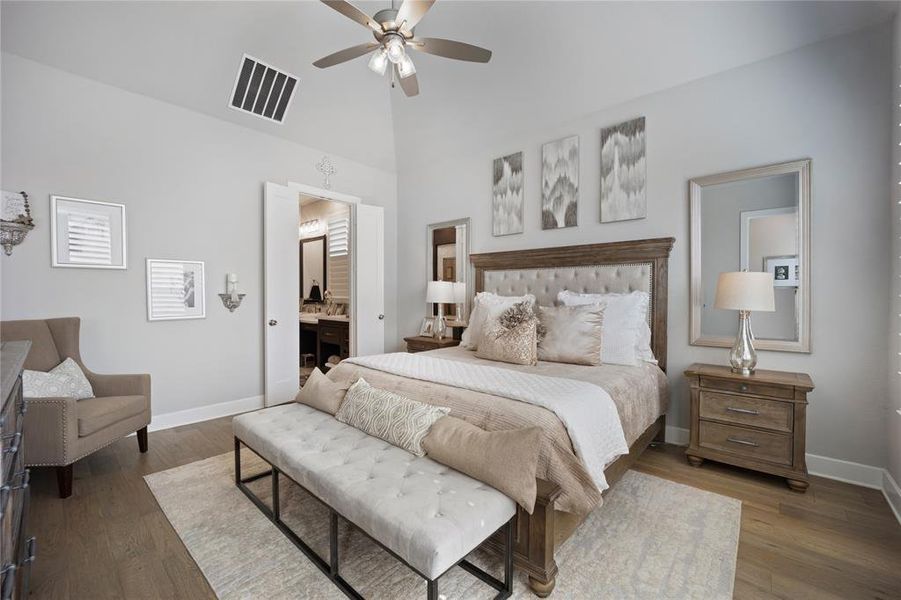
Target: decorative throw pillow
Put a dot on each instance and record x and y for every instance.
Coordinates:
(624, 316)
(321, 393)
(389, 416)
(505, 460)
(511, 335)
(572, 334)
(483, 304)
(65, 380)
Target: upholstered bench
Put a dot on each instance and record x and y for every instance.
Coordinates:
(426, 514)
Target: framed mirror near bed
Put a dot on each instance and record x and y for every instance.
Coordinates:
(752, 220)
(447, 247)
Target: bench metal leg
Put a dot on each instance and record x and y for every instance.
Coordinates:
(433, 589)
(276, 507)
(333, 543)
(508, 558)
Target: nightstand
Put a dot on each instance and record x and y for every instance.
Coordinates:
(755, 421)
(421, 343)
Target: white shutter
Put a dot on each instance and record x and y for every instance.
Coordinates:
(167, 289)
(338, 263)
(89, 238)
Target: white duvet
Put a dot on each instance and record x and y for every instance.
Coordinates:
(586, 410)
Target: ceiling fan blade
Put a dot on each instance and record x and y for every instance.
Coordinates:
(451, 49)
(352, 12)
(345, 55)
(411, 12)
(410, 85)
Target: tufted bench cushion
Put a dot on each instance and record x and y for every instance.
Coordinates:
(428, 514)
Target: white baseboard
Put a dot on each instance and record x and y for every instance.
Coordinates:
(205, 413)
(892, 493)
(830, 468)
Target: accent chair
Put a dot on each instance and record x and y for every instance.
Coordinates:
(62, 430)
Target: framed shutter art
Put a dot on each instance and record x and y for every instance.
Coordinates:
(87, 234)
(175, 290)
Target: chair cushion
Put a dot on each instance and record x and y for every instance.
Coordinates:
(428, 514)
(43, 355)
(95, 414)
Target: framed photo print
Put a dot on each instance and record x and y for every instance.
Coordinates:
(175, 290)
(427, 327)
(784, 269)
(87, 234)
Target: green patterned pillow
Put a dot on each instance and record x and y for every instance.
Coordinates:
(389, 416)
(65, 380)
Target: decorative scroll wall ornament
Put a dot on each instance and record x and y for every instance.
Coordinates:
(327, 169)
(16, 221)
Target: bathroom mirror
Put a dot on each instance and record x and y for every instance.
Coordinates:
(313, 267)
(757, 220)
(447, 259)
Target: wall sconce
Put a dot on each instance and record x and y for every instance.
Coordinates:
(310, 228)
(231, 299)
(15, 221)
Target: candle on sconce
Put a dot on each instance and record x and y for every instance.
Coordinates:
(232, 286)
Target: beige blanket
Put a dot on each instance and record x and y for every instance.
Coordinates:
(640, 395)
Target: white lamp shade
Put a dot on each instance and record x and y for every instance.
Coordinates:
(440, 292)
(745, 290)
(459, 292)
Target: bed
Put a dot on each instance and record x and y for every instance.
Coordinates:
(566, 493)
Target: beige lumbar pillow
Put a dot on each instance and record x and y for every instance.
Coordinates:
(389, 416)
(321, 393)
(505, 460)
(572, 334)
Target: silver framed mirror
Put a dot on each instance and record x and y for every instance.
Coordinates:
(447, 259)
(756, 220)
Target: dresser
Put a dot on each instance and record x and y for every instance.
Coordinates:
(755, 421)
(421, 343)
(16, 547)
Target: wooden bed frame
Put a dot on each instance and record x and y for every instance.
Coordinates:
(539, 534)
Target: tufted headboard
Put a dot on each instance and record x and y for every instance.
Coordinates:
(593, 268)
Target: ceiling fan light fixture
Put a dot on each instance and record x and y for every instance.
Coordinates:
(405, 67)
(394, 46)
(379, 61)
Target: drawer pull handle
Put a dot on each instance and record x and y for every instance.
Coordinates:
(12, 449)
(743, 387)
(742, 442)
(744, 411)
(30, 548)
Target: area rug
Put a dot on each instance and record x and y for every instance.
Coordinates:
(652, 538)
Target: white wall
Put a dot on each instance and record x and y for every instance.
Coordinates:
(828, 102)
(193, 189)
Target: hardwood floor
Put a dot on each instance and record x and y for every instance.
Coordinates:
(111, 540)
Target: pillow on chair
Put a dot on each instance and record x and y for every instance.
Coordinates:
(65, 380)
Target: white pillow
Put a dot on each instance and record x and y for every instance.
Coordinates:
(479, 317)
(626, 334)
(65, 380)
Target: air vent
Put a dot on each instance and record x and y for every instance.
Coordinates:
(262, 90)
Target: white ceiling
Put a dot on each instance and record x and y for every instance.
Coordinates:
(553, 61)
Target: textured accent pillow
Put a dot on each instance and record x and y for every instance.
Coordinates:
(511, 335)
(321, 393)
(389, 416)
(623, 318)
(505, 460)
(572, 334)
(65, 380)
(479, 319)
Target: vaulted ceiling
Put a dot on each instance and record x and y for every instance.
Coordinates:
(553, 61)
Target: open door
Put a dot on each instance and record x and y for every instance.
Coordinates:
(368, 305)
(281, 281)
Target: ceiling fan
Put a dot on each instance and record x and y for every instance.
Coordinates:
(393, 32)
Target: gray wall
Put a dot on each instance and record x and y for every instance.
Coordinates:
(193, 189)
(828, 102)
(893, 420)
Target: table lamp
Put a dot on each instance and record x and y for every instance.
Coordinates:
(440, 293)
(459, 298)
(744, 291)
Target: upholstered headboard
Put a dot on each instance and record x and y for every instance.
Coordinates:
(593, 268)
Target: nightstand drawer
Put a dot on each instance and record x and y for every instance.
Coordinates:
(746, 410)
(760, 445)
(742, 387)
